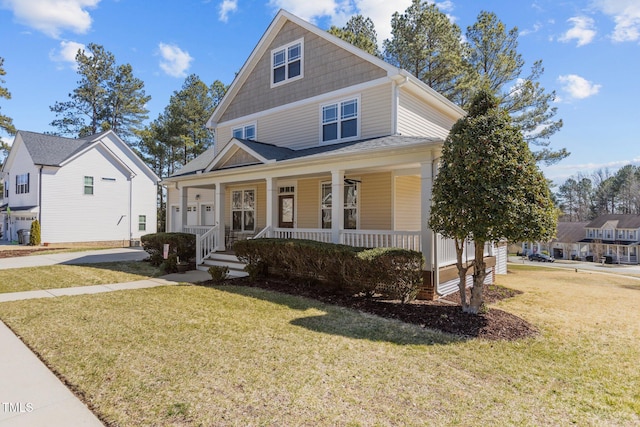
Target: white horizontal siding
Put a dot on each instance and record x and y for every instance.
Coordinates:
(68, 215)
(415, 118)
(22, 164)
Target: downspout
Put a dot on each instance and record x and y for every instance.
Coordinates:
(130, 210)
(396, 104)
(40, 196)
(434, 173)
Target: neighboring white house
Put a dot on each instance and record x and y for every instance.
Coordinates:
(93, 189)
(317, 139)
(614, 235)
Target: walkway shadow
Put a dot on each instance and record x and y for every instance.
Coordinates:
(346, 322)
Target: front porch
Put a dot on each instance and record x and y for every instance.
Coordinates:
(373, 200)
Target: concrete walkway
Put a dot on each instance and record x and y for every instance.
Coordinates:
(30, 394)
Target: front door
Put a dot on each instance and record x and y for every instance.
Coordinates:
(285, 215)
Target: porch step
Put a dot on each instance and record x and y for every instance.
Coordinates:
(236, 268)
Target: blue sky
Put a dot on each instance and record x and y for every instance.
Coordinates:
(590, 51)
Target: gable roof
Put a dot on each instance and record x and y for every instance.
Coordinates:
(570, 232)
(278, 22)
(269, 153)
(51, 150)
(56, 151)
(623, 221)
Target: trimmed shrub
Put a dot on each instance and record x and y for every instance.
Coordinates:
(181, 245)
(396, 273)
(219, 273)
(34, 237)
(400, 272)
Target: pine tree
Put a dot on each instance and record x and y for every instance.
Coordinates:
(360, 32)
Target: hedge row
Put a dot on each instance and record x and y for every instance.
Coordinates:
(395, 273)
(182, 248)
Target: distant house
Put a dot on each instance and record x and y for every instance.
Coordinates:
(317, 139)
(568, 241)
(613, 237)
(616, 236)
(88, 190)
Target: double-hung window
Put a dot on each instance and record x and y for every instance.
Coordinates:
(245, 132)
(22, 183)
(350, 205)
(142, 223)
(243, 207)
(340, 120)
(88, 185)
(286, 63)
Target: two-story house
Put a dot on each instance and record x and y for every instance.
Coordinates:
(317, 139)
(88, 190)
(614, 235)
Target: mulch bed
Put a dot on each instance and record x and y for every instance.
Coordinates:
(444, 315)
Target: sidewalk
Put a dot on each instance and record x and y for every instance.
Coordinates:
(30, 394)
(83, 257)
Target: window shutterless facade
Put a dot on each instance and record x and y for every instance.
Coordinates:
(22, 183)
(88, 185)
(142, 223)
(287, 63)
(243, 207)
(340, 120)
(350, 205)
(245, 132)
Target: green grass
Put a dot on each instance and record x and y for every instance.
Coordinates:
(192, 355)
(66, 276)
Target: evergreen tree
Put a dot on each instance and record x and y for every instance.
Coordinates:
(6, 123)
(107, 97)
(360, 32)
(427, 44)
(488, 188)
(498, 67)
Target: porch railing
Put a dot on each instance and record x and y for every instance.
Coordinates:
(319, 235)
(410, 240)
(205, 240)
(447, 251)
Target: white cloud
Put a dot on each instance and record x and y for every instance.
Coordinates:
(626, 15)
(226, 7)
(66, 53)
(339, 11)
(560, 172)
(582, 30)
(52, 16)
(578, 87)
(175, 61)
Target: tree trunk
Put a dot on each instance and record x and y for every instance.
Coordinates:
(479, 274)
(462, 274)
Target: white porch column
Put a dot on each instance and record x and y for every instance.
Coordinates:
(219, 213)
(184, 197)
(428, 240)
(272, 203)
(337, 204)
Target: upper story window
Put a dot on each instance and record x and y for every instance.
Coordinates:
(88, 185)
(22, 183)
(245, 132)
(340, 120)
(286, 63)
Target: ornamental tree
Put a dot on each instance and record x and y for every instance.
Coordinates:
(488, 189)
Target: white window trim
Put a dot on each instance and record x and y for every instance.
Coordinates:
(244, 127)
(85, 186)
(141, 223)
(287, 79)
(358, 188)
(338, 102)
(255, 209)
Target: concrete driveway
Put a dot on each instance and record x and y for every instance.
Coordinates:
(83, 257)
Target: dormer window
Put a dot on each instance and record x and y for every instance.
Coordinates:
(245, 132)
(286, 63)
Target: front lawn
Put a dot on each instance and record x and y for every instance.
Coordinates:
(67, 276)
(193, 355)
